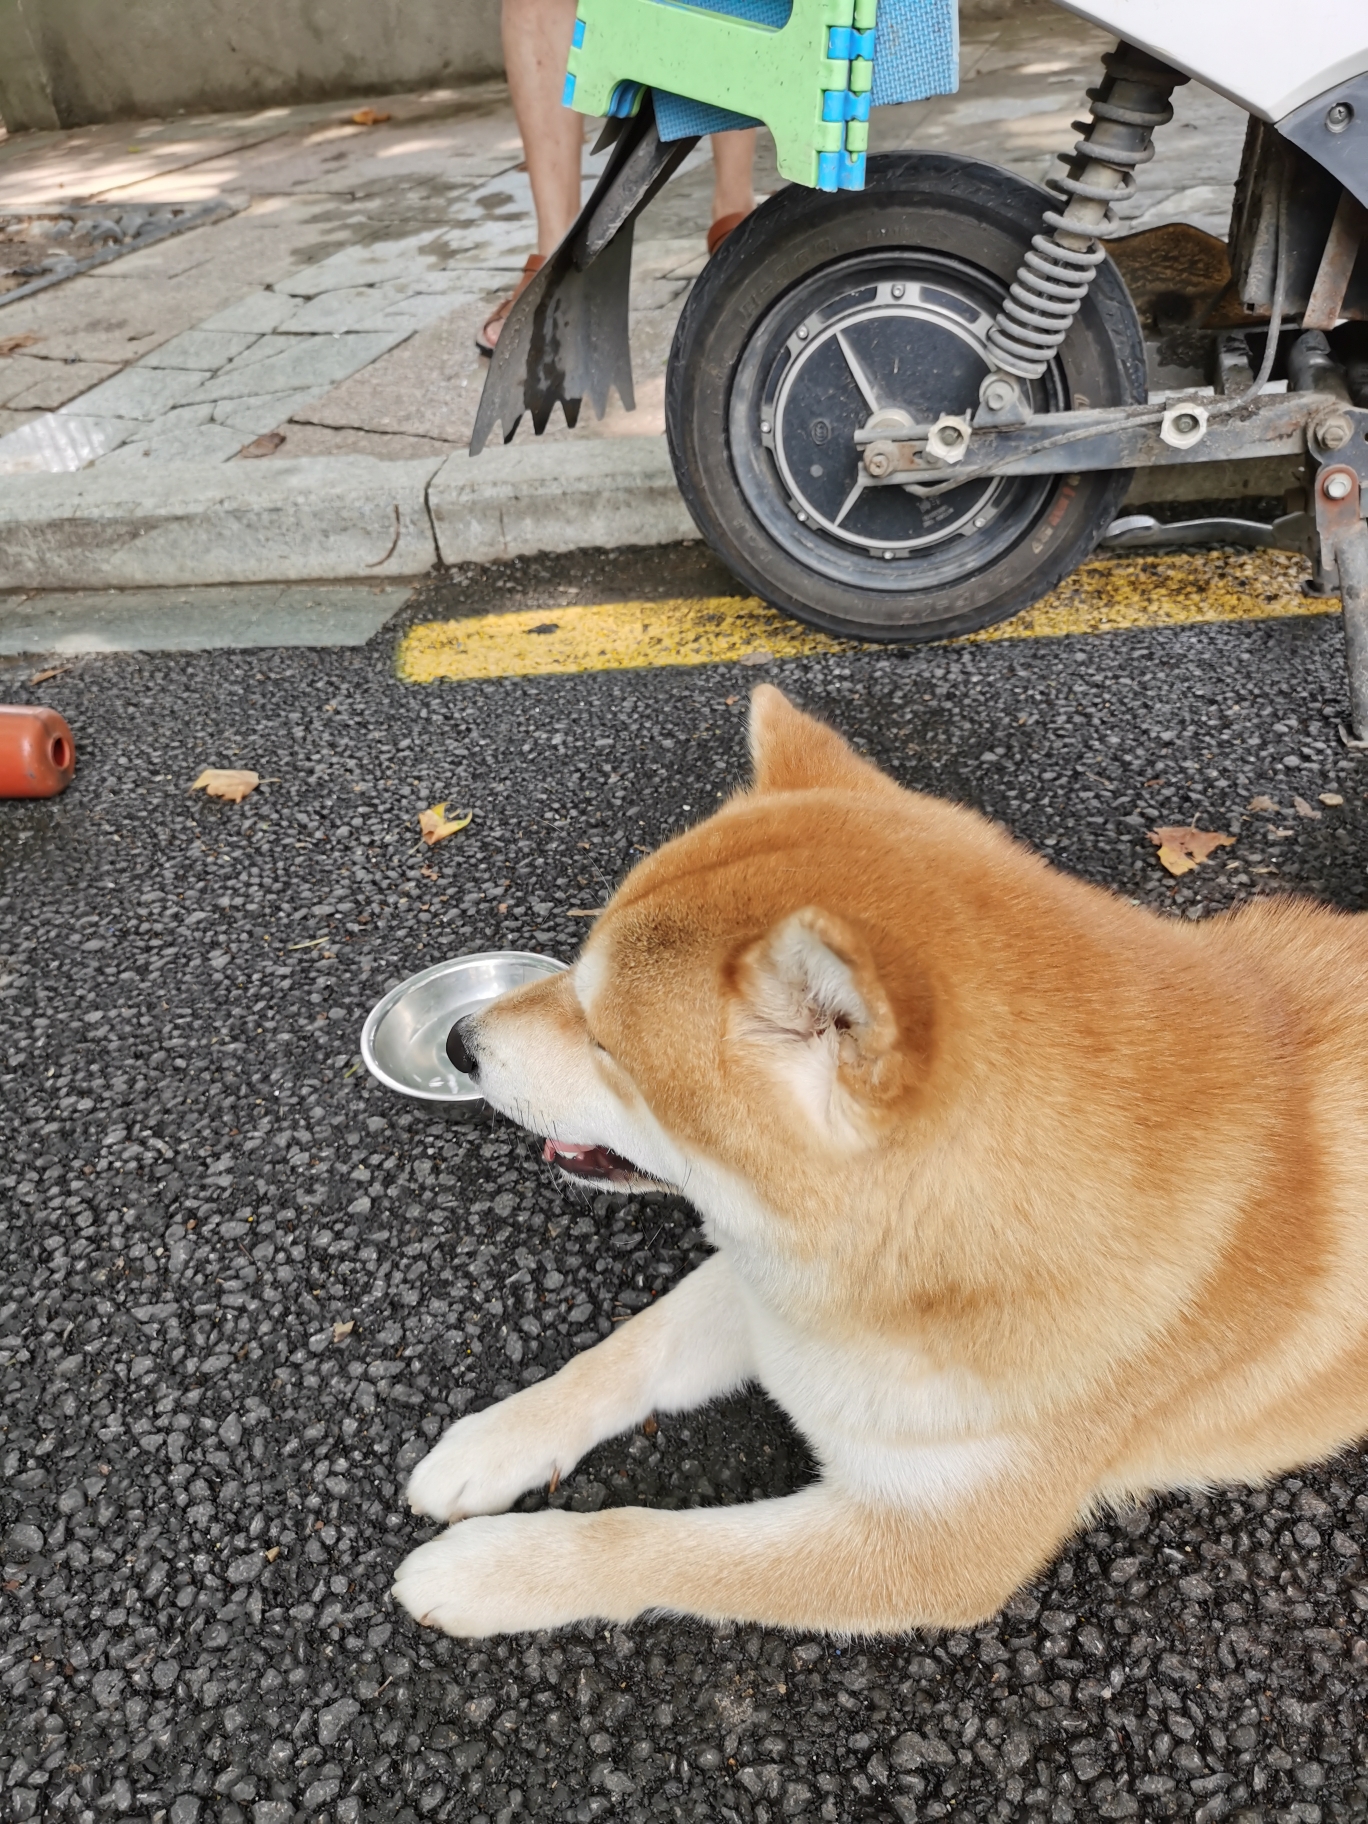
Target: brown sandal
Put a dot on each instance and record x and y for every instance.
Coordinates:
(484, 342)
(723, 226)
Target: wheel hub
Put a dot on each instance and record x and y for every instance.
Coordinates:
(878, 339)
(884, 356)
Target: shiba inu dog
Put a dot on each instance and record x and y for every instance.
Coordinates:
(1024, 1201)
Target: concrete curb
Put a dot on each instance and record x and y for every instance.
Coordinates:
(331, 518)
(357, 518)
(603, 492)
(169, 525)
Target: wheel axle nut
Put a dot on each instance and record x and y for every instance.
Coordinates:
(1337, 486)
(1183, 426)
(948, 439)
(1334, 432)
(880, 459)
(997, 394)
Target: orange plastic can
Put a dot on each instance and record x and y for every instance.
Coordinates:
(37, 753)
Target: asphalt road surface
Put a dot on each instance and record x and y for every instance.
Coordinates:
(243, 1287)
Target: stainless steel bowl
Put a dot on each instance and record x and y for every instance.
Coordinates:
(403, 1042)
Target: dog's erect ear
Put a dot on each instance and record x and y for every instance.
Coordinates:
(812, 988)
(791, 752)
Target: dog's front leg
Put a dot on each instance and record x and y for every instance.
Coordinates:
(818, 1559)
(691, 1346)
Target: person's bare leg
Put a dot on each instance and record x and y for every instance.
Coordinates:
(536, 40)
(536, 43)
(733, 165)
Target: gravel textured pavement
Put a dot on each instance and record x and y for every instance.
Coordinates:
(243, 1287)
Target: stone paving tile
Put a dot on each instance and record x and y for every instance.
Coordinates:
(310, 363)
(185, 443)
(96, 161)
(187, 433)
(262, 245)
(394, 304)
(495, 234)
(120, 312)
(61, 442)
(205, 349)
(258, 349)
(20, 373)
(254, 413)
(428, 387)
(17, 374)
(444, 138)
(37, 384)
(98, 318)
(257, 314)
(131, 313)
(140, 392)
(304, 438)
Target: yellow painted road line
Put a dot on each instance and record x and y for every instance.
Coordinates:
(1106, 595)
(610, 636)
(1178, 589)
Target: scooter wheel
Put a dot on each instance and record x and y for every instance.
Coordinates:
(820, 310)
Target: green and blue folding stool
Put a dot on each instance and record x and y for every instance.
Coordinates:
(809, 70)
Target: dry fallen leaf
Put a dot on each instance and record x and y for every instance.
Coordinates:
(272, 1553)
(10, 345)
(56, 671)
(1325, 797)
(1261, 803)
(1303, 809)
(341, 1331)
(437, 826)
(368, 117)
(226, 782)
(1182, 848)
(265, 445)
(763, 657)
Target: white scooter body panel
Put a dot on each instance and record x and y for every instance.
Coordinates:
(1269, 58)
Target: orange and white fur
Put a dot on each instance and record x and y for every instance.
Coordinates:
(1024, 1201)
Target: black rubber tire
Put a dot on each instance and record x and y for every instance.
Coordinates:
(956, 209)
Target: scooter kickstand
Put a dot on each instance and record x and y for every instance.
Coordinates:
(1344, 553)
(1351, 557)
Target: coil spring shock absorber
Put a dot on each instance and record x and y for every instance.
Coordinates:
(1053, 280)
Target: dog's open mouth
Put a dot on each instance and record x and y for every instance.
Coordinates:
(595, 1164)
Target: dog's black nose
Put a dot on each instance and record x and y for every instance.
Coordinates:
(460, 1054)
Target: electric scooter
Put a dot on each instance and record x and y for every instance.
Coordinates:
(906, 397)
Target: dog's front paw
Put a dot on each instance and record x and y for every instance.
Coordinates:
(484, 1463)
(500, 1575)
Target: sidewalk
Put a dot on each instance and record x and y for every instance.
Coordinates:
(332, 316)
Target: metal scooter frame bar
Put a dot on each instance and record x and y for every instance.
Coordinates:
(1120, 437)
